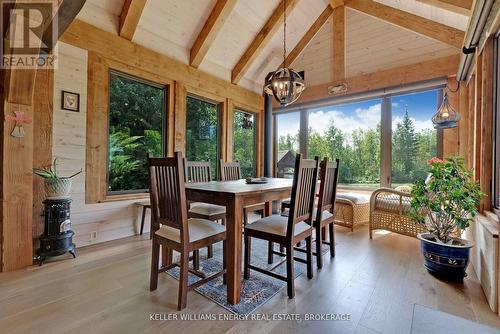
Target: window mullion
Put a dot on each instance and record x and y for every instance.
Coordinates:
(386, 142)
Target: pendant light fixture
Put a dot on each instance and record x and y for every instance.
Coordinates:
(284, 84)
(446, 117)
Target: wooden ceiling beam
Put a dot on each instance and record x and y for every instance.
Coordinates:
(210, 30)
(338, 43)
(309, 35)
(462, 7)
(336, 3)
(417, 24)
(129, 17)
(261, 40)
(394, 77)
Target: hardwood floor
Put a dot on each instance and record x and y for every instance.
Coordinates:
(105, 290)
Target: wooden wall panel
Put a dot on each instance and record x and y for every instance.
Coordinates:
(486, 146)
(17, 196)
(42, 146)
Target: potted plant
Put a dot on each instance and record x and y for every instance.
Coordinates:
(56, 187)
(446, 202)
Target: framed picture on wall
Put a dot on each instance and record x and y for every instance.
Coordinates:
(70, 101)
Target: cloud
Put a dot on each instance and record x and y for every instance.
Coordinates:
(360, 119)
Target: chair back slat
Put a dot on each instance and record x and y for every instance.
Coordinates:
(303, 192)
(197, 171)
(329, 172)
(229, 171)
(167, 193)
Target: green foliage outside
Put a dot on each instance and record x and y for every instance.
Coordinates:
(447, 200)
(410, 151)
(244, 143)
(135, 129)
(202, 132)
(359, 152)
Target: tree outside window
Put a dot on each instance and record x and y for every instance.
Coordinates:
(136, 128)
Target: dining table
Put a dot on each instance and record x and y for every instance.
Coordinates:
(235, 195)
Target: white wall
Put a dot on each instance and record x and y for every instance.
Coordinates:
(107, 221)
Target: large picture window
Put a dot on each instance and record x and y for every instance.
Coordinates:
(414, 139)
(136, 128)
(202, 129)
(381, 141)
(244, 142)
(350, 132)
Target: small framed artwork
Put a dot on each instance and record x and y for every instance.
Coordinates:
(70, 101)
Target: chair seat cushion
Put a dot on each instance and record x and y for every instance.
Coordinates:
(324, 215)
(354, 197)
(207, 209)
(276, 225)
(198, 229)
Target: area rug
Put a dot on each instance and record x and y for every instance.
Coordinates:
(429, 321)
(255, 291)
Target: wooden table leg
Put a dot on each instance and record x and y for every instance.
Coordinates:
(233, 250)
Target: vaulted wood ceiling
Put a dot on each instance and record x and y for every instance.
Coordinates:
(241, 40)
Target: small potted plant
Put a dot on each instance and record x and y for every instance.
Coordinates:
(56, 187)
(445, 203)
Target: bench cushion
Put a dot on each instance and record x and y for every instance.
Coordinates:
(354, 197)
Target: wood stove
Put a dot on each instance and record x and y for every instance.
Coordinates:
(57, 238)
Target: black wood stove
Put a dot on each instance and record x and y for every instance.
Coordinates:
(57, 238)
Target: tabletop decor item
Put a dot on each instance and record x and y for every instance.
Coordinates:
(256, 180)
(445, 204)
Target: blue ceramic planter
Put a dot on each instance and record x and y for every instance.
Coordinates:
(445, 261)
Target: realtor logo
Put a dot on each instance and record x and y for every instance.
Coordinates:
(29, 30)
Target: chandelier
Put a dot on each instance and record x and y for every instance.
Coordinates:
(284, 84)
(446, 117)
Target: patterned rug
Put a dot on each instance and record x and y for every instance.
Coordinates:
(255, 291)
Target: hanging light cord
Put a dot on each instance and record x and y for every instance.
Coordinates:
(284, 34)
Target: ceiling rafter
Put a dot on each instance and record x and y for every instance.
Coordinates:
(338, 43)
(335, 3)
(129, 17)
(412, 22)
(309, 35)
(462, 7)
(261, 40)
(213, 25)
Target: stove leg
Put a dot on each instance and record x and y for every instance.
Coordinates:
(73, 252)
(41, 260)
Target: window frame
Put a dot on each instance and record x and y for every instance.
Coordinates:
(495, 187)
(255, 115)
(386, 127)
(220, 126)
(164, 129)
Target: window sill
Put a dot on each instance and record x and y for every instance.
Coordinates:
(490, 222)
(125, 197)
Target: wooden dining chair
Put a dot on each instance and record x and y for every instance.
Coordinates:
(288, 231)
(323, 214)
(172, 228)
(231, 171)
(196, 172)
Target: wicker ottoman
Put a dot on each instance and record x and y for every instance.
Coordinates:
(351, 209)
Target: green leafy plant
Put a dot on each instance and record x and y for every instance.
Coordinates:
(447, 200)
(50, 172)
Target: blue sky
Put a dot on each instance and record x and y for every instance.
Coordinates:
(366, 115)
